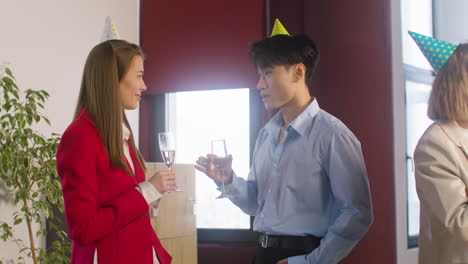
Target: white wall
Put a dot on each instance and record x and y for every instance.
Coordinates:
(46, 43)
(451, 21)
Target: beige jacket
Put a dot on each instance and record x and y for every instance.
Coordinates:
(441, 163)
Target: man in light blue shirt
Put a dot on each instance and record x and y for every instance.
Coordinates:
(308, 186)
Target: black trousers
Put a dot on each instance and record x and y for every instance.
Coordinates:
(273, 255)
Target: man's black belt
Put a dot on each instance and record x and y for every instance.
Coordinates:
(306, 243)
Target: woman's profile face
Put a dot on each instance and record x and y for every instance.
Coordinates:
(132, 85)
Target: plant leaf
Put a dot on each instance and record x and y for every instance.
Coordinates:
(18, 221)
(8, 71)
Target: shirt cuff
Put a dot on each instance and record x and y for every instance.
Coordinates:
(231, 187)
(149, 192)
(301, 259)
(154, 211)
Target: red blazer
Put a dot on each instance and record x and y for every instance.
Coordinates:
(102, 207)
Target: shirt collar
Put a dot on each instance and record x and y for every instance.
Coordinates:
(275, 123)
(125, 132)
(302, 121)
(299, 124)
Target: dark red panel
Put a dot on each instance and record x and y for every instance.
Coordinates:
(226, 253)
(145, 139)
(199, 45)
(353, 81)
(290, 13)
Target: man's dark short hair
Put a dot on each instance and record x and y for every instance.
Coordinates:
(283, 50)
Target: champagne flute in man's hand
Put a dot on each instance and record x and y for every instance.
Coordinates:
(218, 149)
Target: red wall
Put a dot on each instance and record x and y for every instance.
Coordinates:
(290, 13)
(199, 45)
(353, 82)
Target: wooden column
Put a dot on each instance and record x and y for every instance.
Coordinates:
(175, 221)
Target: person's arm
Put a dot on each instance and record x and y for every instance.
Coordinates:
(152, 189)
(438, 182)
(88, 222)
(151, 195)
(243, 193)
(352, 202)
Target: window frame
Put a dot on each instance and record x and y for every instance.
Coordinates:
(419, 76)
(257, 119)
(406, 246)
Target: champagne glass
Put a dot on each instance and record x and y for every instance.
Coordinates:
(167, 148)
(218, 148)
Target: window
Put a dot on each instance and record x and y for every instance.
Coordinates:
(416, 16)
(417, 95)
(196, 118)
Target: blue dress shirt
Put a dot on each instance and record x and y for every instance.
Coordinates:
(313, 182)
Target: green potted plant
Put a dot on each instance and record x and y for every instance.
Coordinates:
(28, 173)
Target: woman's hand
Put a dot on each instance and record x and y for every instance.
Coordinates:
(164, 181)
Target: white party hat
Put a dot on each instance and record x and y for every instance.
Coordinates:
(110, 31)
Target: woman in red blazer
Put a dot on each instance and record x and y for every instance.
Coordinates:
(107, 199)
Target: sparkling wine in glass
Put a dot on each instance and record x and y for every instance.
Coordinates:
(218, 148)
(168, 157)
(167, 148)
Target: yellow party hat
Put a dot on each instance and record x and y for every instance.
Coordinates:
(279, 29)
(110, 31)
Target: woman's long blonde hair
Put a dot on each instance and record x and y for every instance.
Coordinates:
(106, 65)
(449, 95)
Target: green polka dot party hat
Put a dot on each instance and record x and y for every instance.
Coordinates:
(279, 29)
(437, 52)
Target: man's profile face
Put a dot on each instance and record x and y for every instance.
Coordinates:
(276, 85)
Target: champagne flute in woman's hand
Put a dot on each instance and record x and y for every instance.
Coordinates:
(167, 148)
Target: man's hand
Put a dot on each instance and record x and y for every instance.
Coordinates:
(283, 261)
(218, 169)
